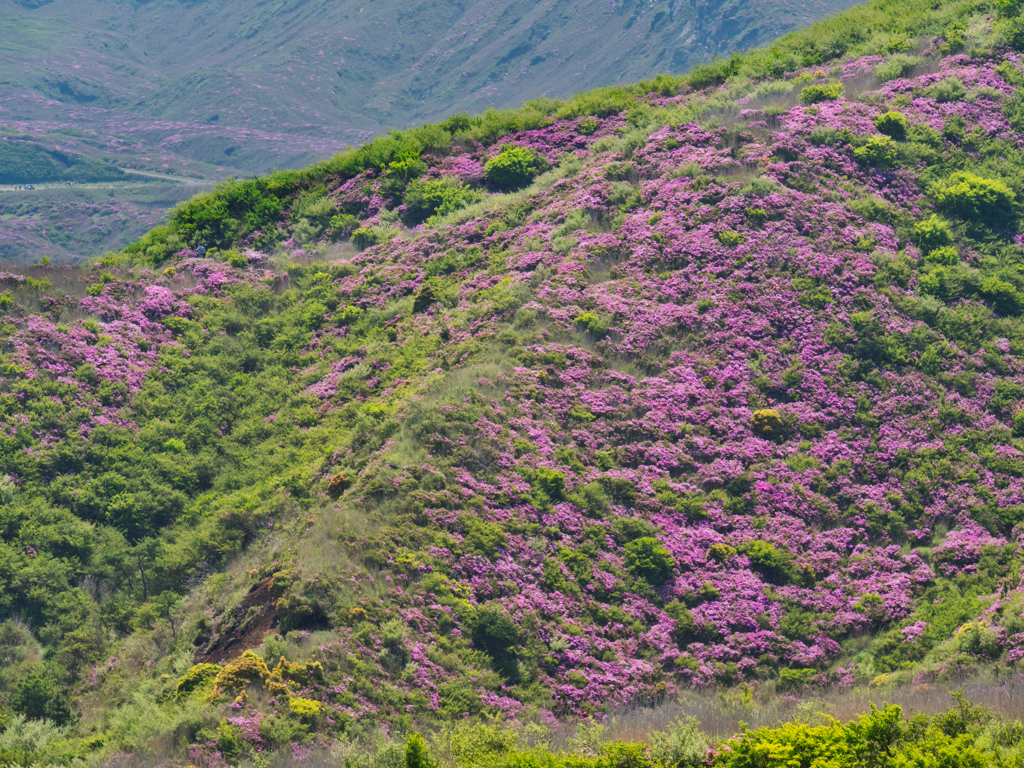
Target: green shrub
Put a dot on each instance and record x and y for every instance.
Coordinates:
(813, 94)
(1004, 297)
(683, 745)
(721, 553)
(879, 152)
(896, 66)
(7, 490)
(767, 422)
(948, 90)
(436, 197)
(551, 482)
(514, 168)
(647, 558)
(37, 698)
(1011, 22)
(591, 323)
(794, 678)
(773, 563)
(366, 237)
(730, 239)
(28, 737)
(979, 200)
(954, 38)
(932, 233)
(946, 256)
(199, 678)
(493, 632)
(416, 754)
(892, 124)
(1013, 107)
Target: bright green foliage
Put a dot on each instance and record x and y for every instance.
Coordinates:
(945, 255)
(896, 66)
(954, 37)
(1004, 297)
(814, 94)
(198, 678)
(1009, 9)
(416, 754)
(729, 238)
(647, 558)
(881, 738)
(1011, 21)
(514, 168)
(932, 233)
(878, 152)
(979, 200)
(305, 709)
(234, 209)
(551, 482)
(436, 197)
(592, 324)
(24, 162)
(7, 490)
(892, 124)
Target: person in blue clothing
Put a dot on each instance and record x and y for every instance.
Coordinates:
(201, 251)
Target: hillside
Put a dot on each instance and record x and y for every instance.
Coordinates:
(697, 396)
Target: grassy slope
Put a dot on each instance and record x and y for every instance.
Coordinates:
(528, 422)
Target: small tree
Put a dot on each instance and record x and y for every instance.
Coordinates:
(416, 755)
(37, 699)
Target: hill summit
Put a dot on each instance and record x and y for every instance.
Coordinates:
(710, 383)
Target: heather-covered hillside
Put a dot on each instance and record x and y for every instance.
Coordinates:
(704, 393)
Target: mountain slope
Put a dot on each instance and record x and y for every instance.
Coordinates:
(709, 381)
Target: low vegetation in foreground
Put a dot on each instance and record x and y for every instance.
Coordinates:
(709, 386)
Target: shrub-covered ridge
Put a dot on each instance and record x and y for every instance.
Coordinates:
(710, 384)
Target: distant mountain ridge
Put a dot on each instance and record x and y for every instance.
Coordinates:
(229, 86)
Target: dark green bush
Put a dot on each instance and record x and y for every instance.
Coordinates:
(892, 124)
(493, 632)
(514, 168)
(37, 698)
(647, 558)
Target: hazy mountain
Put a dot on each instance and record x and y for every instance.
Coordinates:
(210, 88)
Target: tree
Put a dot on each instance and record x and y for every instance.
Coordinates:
(38, 699)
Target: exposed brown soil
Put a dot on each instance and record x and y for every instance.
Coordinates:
(242, 628)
